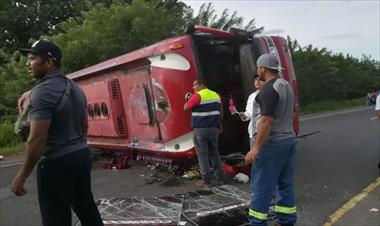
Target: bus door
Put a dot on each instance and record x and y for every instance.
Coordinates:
(139, 105)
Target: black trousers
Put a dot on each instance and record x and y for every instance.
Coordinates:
(65, 183)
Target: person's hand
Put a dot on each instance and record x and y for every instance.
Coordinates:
(251, 156)
(20, 103)
(242, 116)
(17, 186)
(188, 96)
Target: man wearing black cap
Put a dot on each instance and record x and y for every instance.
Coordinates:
(57, 141)
(273, 150)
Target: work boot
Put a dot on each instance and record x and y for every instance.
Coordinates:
(203, 183)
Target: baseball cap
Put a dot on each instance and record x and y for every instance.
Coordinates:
(42, 47)
(269, 61)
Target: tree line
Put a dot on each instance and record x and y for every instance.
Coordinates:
(90, 31)
(323, 75)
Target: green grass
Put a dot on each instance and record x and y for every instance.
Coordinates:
(12, 149)
(331, 105)
(9, 143)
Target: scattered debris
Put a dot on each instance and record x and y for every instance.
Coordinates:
(216, 206)
(163, 174)
(118, 162)
(242, 178)
(374, 210)
(1, 157)
(191, 175)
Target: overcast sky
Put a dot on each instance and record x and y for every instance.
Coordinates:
(341, 26)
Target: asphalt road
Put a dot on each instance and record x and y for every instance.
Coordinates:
(331, 167)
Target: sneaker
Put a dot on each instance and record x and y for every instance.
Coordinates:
(202, 183)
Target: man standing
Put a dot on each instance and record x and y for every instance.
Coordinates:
(57, 141)
(377, 109)
(274, 147)
(206, 121)
(252, 110)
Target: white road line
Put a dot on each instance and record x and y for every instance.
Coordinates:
(333, 114)
(11, 164)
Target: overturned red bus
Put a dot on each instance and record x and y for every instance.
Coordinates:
(135, 101)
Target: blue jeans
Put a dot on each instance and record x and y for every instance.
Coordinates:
(274, 166)
(206, 145)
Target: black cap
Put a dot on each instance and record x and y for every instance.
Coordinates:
(44, 47)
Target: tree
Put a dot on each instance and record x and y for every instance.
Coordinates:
(207, 17)
(22, 20)
(14, 81)
(105, 32)
(322, 75)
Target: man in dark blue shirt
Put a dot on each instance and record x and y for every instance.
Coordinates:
(57, 141)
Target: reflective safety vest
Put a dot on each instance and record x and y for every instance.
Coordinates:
(207, 113)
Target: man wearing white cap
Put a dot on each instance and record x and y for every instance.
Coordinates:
(274, 147)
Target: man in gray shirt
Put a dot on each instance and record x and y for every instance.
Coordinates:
(274, 148)
(57, 141)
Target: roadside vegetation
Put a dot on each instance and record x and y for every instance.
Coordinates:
(330, 105)
(90, 31)
(9, 143)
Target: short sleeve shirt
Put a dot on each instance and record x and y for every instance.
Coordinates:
(66, 133)
(276, 100)
(377, 108)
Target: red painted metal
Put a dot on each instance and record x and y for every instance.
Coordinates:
(212, 31)
(279, 46)
(288, 74)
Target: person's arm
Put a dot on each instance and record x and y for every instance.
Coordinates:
(34, 150)
(247, 115)
(194, 101)
(263, 131)
(23, 101)
(267, 100)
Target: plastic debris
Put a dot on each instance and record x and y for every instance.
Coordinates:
(191, 175)
(374, 210)
(1, 157)
(242, 178)
(117, 163)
